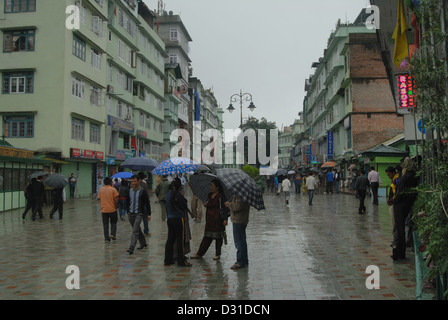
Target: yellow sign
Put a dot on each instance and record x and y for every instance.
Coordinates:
(16, 153)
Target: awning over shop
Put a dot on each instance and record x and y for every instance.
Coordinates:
(55, 160)
(384, 151)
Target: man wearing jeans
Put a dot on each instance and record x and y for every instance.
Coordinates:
(108, 196)
(311, 184)
(139, 208)
(239, 215)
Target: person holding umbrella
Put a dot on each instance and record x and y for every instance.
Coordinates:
(239, 215)
(216, 217)
(177, 208)
(58, 195)
(37, 194)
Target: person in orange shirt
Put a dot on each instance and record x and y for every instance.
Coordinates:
(108, 196)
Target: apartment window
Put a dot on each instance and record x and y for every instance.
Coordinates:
(119, 110)
(126, 142)
(78, 87)
(100, 2)
(20, 82)
(79, 48)
(128, 84)
(109, 72)
(174, 58)
(95, 95)
(174, 34)
(97, 25)
(148, 122)
(141, 119)
(18, 40)
(95, 58)
(121, 78)
(95, 133)
(77, 129)
(13, 6)
(121, 50)
(82, 12)
(19, 126)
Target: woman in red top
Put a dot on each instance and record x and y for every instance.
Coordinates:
(215, 221)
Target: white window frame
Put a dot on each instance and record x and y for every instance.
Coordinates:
(95, 59)
(78, 87)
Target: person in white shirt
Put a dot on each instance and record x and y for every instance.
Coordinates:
(375, 181)
(286, 185)
(311, 184)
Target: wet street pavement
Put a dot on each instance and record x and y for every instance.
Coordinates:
(295, 252)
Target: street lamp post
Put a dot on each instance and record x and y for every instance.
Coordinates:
(241, 97)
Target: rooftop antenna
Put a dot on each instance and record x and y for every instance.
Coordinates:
(160, 7)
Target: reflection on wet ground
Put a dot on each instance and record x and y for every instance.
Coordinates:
(295, 252)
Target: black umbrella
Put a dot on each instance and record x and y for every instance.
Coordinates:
(56, 180)
(280, 172)
(200, 185)
(140, 163)
(38, 174)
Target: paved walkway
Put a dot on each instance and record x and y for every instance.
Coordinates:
(295, 252)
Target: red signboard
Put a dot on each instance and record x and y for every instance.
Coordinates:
(86, 154)
(406, 98)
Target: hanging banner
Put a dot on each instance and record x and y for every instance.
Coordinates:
(330, 153)
(405, 91)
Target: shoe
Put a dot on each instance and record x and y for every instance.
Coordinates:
(166, 264)
(185, 264)
(195, 257)
(142, 247)
(113, 237)
(23, 216)
(216, 257)
(107, 241)
(237, 266)
(130, 251)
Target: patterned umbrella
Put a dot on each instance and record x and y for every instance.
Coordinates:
(241, 184)
(175, 166)
(200, 185)
(140, 163)
(56, 180)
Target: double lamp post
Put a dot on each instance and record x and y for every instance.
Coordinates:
(241, 98)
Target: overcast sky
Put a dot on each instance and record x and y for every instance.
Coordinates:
(263, 47)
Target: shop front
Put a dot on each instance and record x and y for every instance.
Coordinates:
(15, 167)
(88, 168)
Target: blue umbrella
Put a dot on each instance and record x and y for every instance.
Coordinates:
(123, 175)
(175, 166)
(140, 163)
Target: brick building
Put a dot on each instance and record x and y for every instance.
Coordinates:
(349, 107)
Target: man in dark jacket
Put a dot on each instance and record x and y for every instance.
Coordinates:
(361, 185)
(405, 197)
(139, 208)
(37, 194)
(28, 197)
